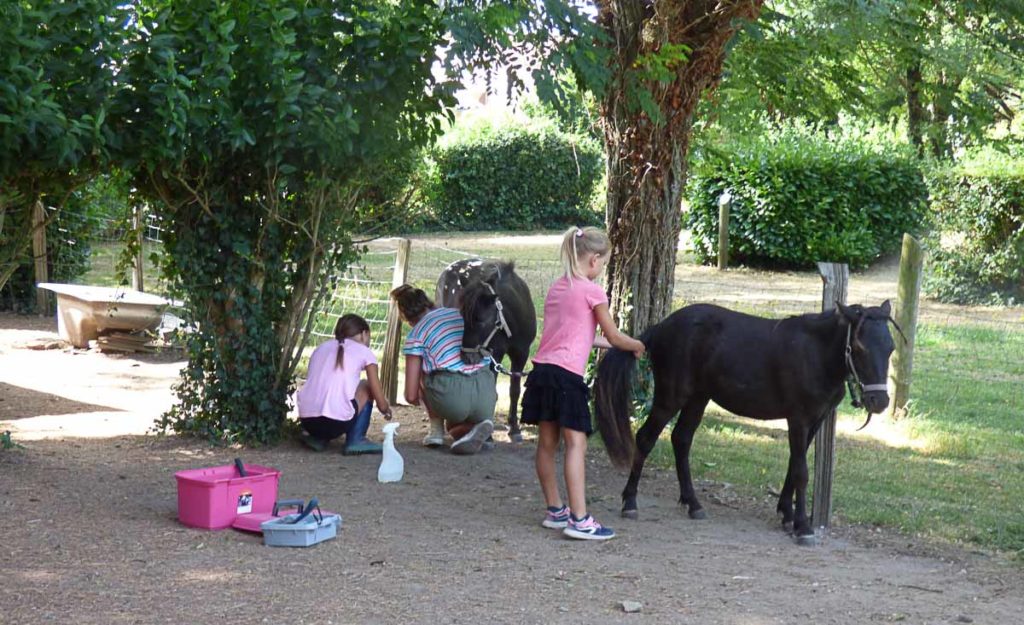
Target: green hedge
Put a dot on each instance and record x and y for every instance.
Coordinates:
(800, 198)
(978, 244)
(516, 177)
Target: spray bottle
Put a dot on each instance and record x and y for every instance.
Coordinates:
(392, 466)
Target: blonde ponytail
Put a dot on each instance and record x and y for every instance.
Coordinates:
(578, 243)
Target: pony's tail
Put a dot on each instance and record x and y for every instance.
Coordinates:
(613, 391)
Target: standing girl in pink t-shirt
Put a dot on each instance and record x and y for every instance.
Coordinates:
(556, 397)
(334, 401)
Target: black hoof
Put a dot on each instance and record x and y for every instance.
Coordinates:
(807, 540)
(787, 526)
(630, 514)
(516, 437)
(698, 514)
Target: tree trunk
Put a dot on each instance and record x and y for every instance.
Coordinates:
(942, 114)
(648, 139)
(916, 115)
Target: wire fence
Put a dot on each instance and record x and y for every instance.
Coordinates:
(363, 289)
(978, 338)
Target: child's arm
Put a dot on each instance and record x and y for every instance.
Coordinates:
(413, 371)
(612, 335)
(376, 392)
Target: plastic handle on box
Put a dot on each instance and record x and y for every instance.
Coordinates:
(241, 468)
(287, 503)
(313, 503)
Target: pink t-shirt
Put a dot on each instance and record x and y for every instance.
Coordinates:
(569, 323)
(329, 389)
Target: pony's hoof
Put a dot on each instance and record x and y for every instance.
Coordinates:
(698, 515)
(787, 526)
(807, 540)
(630, 514)
(515, 437)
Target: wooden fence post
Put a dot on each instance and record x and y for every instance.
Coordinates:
(908, 293)
(389, 362)
(39, 257)
(140, 254)
(724, 208)
(836, 277)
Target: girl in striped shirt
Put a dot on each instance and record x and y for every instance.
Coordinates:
(455, 393)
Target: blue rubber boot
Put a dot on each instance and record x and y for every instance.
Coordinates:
(355, 440)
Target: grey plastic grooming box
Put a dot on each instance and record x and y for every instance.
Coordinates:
(313, 529)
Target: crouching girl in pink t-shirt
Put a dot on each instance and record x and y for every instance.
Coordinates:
(556, 397)
(334, 401)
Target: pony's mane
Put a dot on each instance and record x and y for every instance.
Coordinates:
(475, 291)
(501, 268)
(827, 317)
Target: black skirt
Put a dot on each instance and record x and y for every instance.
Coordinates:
(556, 394)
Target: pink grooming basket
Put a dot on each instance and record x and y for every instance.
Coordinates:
(211, 498)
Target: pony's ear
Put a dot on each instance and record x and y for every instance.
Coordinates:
(886, 308)
(851, 313)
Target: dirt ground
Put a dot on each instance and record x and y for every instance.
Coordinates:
(90, 532)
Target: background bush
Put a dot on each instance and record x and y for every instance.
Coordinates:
(978, 244)
(515, 176)
(799, 198)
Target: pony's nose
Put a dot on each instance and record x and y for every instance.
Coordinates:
(876, 401)
(471, 358)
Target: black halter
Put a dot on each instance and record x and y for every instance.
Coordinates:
(499, 324)
(853, 382)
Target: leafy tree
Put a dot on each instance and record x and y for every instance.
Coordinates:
(948, 70)
(248, 125)
(650, 63)
(56, 83)
(665, 57)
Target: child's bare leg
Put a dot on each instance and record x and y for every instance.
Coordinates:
(575, 471)
(362, 394)
(458, 430)
(547, 447)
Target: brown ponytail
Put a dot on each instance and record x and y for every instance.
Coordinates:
(348, 326)
(412, 302)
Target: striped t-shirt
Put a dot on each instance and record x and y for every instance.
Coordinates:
(437, 339)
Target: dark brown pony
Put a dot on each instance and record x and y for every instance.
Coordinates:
(791, 369)
(499, 319)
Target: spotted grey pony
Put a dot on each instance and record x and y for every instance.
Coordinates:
(499, 318)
